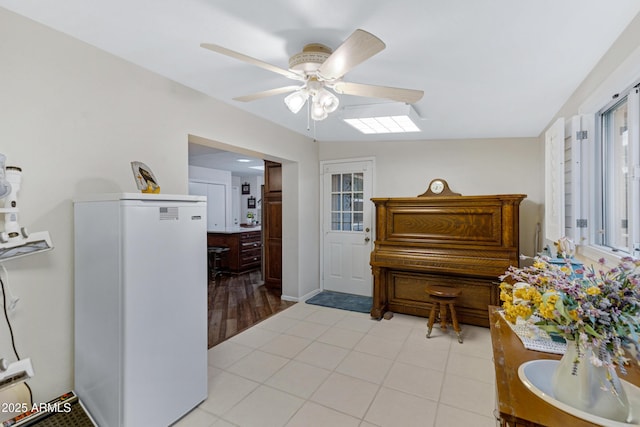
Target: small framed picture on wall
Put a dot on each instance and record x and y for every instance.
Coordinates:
(251, 202)
(246, 188)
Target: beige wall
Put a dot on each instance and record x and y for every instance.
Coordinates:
(74, 117)
(471, 167)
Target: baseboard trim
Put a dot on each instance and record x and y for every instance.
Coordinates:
(302, 298)
(288, 298)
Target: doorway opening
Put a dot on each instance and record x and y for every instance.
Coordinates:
(244, 195)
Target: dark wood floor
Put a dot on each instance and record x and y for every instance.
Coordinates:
(237, 302)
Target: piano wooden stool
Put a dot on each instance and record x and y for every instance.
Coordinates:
(441, 297)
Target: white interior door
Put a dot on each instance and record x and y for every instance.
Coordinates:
(216, 203)
(347, 212)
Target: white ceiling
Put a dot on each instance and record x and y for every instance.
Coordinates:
(237, 164)
(488, 68)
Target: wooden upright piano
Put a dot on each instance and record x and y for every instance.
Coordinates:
(449, 240)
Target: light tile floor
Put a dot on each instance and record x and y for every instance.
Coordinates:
(314, 366)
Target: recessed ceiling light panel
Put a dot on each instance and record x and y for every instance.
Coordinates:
(382, 118)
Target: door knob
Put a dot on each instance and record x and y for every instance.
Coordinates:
(366, 239)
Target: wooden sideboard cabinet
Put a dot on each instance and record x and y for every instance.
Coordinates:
(245, 249)
(459, 241)
(516, 405)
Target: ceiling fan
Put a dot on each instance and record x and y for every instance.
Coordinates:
(319, 69)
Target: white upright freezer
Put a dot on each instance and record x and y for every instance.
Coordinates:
(140, 307)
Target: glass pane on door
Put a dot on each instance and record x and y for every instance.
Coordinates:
(347, 202)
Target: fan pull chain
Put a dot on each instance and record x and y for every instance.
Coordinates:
(309, 121)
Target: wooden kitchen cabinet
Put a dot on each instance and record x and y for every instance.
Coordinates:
(245, 249)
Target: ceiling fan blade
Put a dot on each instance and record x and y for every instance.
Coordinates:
(253, 61)
(359, 47)
(266, 93)
(409, 96)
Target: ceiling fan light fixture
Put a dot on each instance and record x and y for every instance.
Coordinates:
(296, 100)
(311, 57)
(320, 68)
(318, 112)
(322, 101)
(329, 101)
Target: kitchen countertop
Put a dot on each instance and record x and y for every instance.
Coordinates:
(237, 229)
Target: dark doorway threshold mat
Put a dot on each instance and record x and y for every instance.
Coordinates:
(342, 301)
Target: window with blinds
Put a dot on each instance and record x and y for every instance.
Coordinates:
(617, 160)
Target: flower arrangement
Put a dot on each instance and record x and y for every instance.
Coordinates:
(597, 307)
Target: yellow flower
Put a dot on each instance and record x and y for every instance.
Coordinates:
(536, 296)
(547, 310)
(540, 264)
(523, 311)
(548, 305)
(593, 290)
(521, 293)
(509, 312)
(505, 296)
(573, 314)
(512, 312)
(552, 298)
